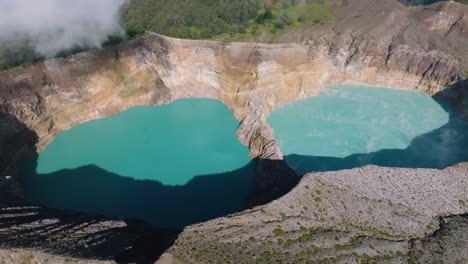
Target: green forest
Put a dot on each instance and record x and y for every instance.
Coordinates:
(187, 18)
(229, 20)
(201, 19)
(194, 19)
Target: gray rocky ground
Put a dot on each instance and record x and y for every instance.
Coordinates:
(370, 214)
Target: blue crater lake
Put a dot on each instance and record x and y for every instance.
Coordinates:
(351, 126)
(170, 165)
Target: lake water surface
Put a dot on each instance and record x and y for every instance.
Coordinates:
(352, 126)
(182, 163)
(170, 165)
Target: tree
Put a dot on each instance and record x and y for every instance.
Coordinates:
(283, 20)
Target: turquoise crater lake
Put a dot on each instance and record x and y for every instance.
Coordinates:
(169, 165)
(352, 126)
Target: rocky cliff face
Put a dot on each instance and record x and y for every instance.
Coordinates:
(422, 49)
(370, 214)
(383, 38)
(385, 44)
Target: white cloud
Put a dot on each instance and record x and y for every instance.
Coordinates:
(55, 25)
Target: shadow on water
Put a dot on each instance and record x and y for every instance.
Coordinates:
(94, 190)
(167, 208)
(91, 189)
(436, 149)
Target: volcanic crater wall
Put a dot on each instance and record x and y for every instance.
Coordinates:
(248, 77)
(422, 49)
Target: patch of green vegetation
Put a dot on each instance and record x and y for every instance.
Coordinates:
(461, 202)
(410, 257)
(265, 255)
(116, 55)
(341, 247)
(188, 19)
(275, 16)
(15, 53)
(239, 20)
(283, 215)
(44, 80)
(278, 232)
(305, 237)
(252, 239)
(317, 199)
(465, 73)
(381, 233)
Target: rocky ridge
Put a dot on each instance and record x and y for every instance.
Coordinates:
(364, 215)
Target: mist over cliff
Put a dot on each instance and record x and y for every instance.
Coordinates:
(50, 26)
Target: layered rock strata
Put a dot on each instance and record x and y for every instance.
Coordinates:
(328, 217)
(378, 48)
